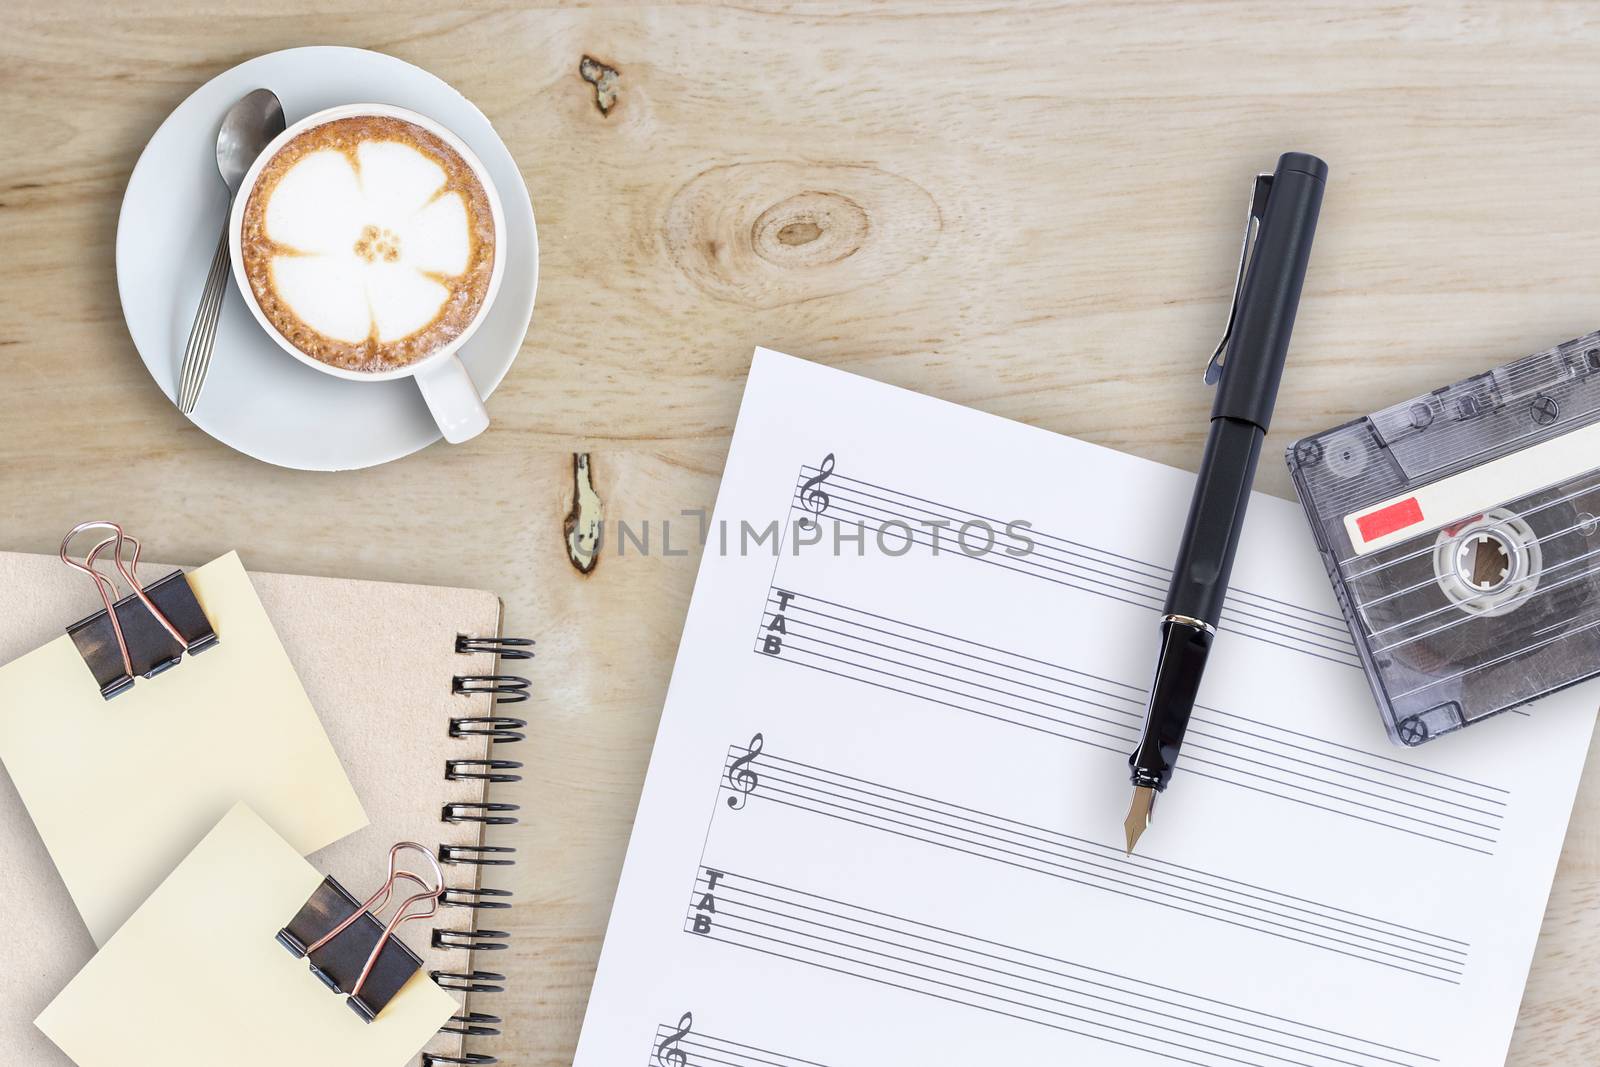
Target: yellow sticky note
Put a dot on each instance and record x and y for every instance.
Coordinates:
(196, 975)
(122, 789)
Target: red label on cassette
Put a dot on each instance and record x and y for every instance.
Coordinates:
(1387, 520)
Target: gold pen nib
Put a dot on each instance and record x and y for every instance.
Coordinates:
(1144, 803)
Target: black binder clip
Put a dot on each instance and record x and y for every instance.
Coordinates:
(350, 950)
(144, 633)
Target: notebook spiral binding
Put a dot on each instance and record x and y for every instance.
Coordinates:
(499, 729)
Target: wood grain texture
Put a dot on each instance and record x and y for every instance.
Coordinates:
(1031, 208)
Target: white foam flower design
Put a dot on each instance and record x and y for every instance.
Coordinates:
(371, 239)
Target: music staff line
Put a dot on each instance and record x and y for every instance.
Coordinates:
(1330, 627)
(1150, 588)
(1332, 620)
(958, 968)
(701, 1048)
(1136, 696)
(1020, 845)
(1437, 778)
(1166, 867)
(1095, 570)
(1197, 773)
(1233, 775)
(1320, 644)
(1161, 574)
(1074, 716)
(1136, 712)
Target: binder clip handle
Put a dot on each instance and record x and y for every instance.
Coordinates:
(147, 641)
(376, 902)
(107, 589)
(388, 964)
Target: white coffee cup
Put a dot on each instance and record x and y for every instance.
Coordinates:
(451, 396)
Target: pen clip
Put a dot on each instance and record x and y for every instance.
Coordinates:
(1252, 226)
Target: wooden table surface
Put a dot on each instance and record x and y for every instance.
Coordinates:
(1032, 208)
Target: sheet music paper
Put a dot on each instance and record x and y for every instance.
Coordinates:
(120, 790)
(882, 821)
(197, 975)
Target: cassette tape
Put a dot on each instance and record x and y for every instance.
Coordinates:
(1461, 530)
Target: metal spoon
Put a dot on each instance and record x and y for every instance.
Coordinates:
(249, 126)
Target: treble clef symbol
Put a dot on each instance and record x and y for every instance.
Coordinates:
(812, 496)
(741, 777)
(668, 1054)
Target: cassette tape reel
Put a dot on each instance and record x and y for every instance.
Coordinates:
(1461, 531)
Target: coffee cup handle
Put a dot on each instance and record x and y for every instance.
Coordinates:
(453, 400)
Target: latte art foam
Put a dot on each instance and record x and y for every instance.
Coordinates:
(368, 243)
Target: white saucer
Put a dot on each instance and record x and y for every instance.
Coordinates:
(257, 398)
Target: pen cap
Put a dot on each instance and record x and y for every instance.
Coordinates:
(1260, 341)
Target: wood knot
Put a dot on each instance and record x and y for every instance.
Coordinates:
(604, 79)
(799, 233)
(774, 233)
(810, 229)
(584, 526)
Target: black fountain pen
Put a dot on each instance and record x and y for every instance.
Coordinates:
(1249, 362)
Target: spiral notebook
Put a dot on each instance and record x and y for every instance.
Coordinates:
(408, 685)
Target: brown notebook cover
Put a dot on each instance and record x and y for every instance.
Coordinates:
(379, 661)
